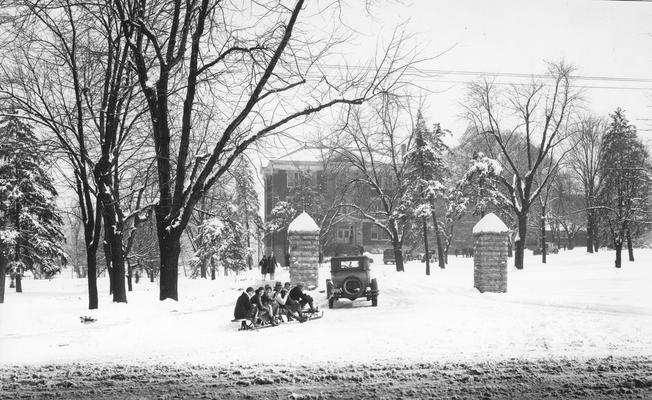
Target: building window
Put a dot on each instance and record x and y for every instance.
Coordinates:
(343, 233)
(293, 179)
(378, 233)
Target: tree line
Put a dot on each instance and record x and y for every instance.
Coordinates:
(149, 107)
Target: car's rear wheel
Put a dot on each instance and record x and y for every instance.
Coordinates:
(353, 286)
(331, 302)
(374, 301)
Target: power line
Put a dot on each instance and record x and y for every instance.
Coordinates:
(432, 74)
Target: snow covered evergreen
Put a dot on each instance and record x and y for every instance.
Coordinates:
(30, 225)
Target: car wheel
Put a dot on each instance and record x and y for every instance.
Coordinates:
(374, 301)
(353, 286)
(331, 302)
(374, 285)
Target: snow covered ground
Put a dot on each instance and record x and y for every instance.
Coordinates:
(577, 305)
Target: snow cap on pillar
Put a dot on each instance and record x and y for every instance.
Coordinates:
(490, 223)
(303, 223)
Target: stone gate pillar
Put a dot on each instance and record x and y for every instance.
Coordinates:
(303, 235)
(490, 254)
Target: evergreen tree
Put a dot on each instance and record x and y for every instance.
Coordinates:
(426, 172)
(626, 185)
(31, 235)
(248, 205)
(223, 239)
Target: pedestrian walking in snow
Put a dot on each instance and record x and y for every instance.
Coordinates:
(271, 266)
(264, 263)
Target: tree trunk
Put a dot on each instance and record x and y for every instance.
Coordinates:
(19, 281)
(114, 253)
(596, 234)
(129, 274)
(520, 244)
(544, 249)
(107, 259)
(571, 244)
(17, 256)
(440, 247)
(3, 270)
(202, 268)
(619, 247)
(398, 255)
(91, 275)
(425, 245)
(589, 231)
(630, 247)
(169, 248)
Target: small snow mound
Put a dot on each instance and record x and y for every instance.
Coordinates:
(303, 223)
(490, 223)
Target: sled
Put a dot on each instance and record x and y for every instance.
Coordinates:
(247, 324)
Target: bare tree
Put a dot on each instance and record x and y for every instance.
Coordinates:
(585, 153)
(257, 63)
(538, 114)
(568, 209)
(377, 139)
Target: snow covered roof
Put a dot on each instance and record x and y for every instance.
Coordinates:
(490, 223)
(303, 223)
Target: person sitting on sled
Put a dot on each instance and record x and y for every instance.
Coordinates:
(243, 307)
(264, 311)
(281, 297)
(298, 297)
(269, 301)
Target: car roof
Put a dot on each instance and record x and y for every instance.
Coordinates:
(348, 258)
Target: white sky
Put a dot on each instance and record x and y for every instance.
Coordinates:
(600, 38)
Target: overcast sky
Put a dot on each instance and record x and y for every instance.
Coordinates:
(602, 39)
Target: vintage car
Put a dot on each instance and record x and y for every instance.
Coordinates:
(388, 256)
(351, 279)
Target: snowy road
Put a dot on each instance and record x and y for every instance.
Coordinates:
(610, 378)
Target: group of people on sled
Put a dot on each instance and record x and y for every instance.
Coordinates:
(267, 305)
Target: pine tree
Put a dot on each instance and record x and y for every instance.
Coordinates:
(626, 185)
(427, 171)
(223, 239)
(31, 234)
(248, 204)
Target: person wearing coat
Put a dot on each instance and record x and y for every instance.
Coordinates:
(243, 307)
(264, 264)
(265, 311)
(271, 266)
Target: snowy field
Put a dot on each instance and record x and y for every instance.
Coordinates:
(577, 305)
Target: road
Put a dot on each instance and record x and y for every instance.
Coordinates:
(605, 378)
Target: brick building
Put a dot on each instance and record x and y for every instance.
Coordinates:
(285, 174)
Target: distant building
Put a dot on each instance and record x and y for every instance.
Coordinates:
(283, 175)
